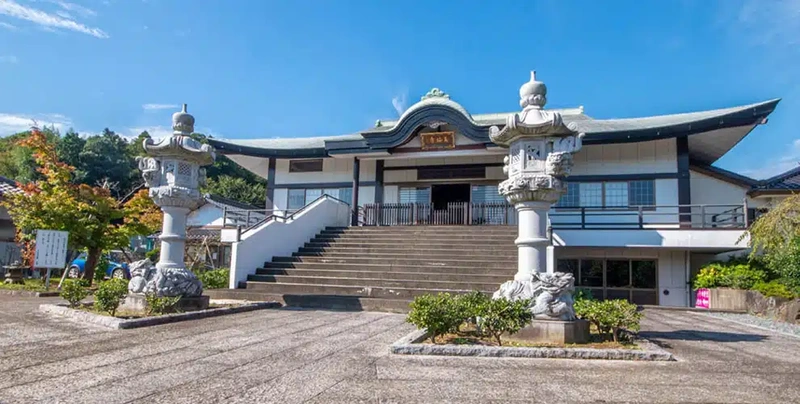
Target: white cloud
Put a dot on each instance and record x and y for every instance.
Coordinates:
(788, 161)
(47, 20)
(8, 26)
(157, 107)
(75, 8)
(400, 102)
(15, 123)
(8, 59)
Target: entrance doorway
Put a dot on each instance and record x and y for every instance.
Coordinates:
(441, 195)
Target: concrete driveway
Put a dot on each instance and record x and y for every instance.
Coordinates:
(292, 356)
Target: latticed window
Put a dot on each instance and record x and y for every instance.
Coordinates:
(616, 194)
(415, 195)
(641, 193)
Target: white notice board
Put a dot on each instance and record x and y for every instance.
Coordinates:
(51, 249)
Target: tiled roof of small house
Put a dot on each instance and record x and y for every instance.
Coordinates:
(8, 186)
(789, 180)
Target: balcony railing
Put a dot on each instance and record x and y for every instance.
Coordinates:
(500, 214)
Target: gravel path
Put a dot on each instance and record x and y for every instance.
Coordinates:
(779, 326)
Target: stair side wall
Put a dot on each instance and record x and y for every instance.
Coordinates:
(282, 238)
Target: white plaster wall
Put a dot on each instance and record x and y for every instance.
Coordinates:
(280, 199)
(431, 161)
(206, 215)
(333, 170)
(281, 238)
(720, 239)
(659, 156)
(709, 190)
(671, 268)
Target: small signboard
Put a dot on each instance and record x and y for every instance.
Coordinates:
(437, 140)
(703, 299)
(51, 249)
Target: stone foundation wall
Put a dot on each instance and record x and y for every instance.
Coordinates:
(754, 302)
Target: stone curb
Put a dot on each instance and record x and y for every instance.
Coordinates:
(27, 293)
(121, 324)
(409, 345)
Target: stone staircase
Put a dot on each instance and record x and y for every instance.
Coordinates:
(384, 268)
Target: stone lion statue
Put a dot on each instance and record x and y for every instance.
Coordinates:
(550, 295)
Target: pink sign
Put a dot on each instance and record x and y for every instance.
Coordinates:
(703, 298)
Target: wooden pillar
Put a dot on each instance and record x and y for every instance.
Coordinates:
(354, 204)
(684, 186)
(270, 185)
(378, 181)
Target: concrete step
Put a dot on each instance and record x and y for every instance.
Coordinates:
(325, 302)
(446, 238)
(417, 255)
(459, 270)
(465, 284)
(416, 230)
(455, 250)
(342, 290)
(402, 261)
(406, 242)
(346, 272)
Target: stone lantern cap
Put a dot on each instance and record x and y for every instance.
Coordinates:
(533, 121)
(180, 146)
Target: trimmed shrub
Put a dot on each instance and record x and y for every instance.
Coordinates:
(499, 316)
(729, 275)
(609, 316)
(73, 291)
(214, 279)
(160, 305)
(582, 294)
(774, 288)
(471, 305)
(153, 254)
(109, 295)
(439, 314)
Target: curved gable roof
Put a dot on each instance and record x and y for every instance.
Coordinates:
(476, 127)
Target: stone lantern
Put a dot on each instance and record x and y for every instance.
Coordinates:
(173, 172)
(539, 159)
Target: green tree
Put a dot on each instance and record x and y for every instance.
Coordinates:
(135, 147)
(16, 159)
(238, 189)
(70, 147)
(90, 215)
(105, 160)
(775, 238)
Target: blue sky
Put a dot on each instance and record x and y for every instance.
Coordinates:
(259, 68)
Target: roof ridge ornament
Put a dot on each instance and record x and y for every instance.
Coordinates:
(435, 93)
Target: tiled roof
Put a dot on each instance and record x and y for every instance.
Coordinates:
(790, 180)
(585, 124)
(8, 186)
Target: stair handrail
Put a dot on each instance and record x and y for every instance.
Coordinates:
(291, 215)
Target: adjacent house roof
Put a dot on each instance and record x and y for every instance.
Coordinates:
(8, 186)
(392, 133)
(785, 183)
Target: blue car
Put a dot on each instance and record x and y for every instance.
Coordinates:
(115, 268)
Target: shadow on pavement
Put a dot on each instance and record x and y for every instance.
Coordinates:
(694, 335)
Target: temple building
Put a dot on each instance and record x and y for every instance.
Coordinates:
(644, 206)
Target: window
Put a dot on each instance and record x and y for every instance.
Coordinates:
(590, 194)
(302, 197)
(486, 194)
(641, 193)
(305, 166)
(297, 199)
(572, 198)
(632, 280)
(415, 195)
(616, 194)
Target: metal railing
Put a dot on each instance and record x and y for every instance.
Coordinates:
(483, 214)
(652, 217)
(455, 213)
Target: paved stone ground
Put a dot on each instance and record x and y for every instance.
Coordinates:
(292, 356)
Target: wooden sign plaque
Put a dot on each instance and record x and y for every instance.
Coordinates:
(437, 140)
